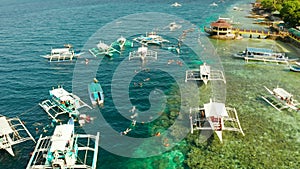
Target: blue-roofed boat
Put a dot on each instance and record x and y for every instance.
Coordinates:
(96, 92)
(65, 149)
(263, 54)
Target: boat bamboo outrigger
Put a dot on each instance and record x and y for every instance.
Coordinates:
(263, 54)
(151, 38)
(215, 116)
(204, 73)
(12, 132)
(143, 53)
(62, 102)
(96, 92)
(65, 149)
(103, 49)
(281, 99)
(62, 54)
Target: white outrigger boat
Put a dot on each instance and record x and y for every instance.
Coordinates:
(12, 132)
(263, 54)
(96, 92)
(143, 53)
(205, 74)
(62, 102)
(65, 149)
(151, 38)
(103, 49)
(62, 54)
(215, 116)
(281, 99)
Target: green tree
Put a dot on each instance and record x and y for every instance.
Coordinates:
(272, 5)
(269, 4)
(291, 12)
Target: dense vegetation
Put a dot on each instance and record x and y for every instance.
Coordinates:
(289, 10)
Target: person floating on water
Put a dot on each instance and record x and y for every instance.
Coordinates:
(132, 125)
(126, 131)
(133, 109)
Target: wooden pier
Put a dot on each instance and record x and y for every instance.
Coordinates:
(259, 33)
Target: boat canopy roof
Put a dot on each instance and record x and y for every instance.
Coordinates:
(4, 127)
(60, 50)
(95, 87)
(205, 69)
(61, 136)
(61, 93)
(282, 93)
(215, 109)
(102, 45)
(259, 50)
(142, 49)
(295, 32)
(221, 24)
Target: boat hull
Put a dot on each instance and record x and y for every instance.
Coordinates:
(295, 68)
(96, 93)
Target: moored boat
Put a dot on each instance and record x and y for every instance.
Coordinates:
(151, 38)
(96, 92)
(65, 149)
(62, 54)
(220, 29)
(12, 132)
(281, 99)
(215, 116)
(263, 54)
(62, 102)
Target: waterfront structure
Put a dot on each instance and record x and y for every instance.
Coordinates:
(220, 29)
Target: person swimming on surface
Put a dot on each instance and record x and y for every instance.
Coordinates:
(126, 131)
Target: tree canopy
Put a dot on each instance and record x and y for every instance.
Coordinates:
(289, 10)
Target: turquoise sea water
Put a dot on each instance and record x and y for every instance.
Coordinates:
(30, 28)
